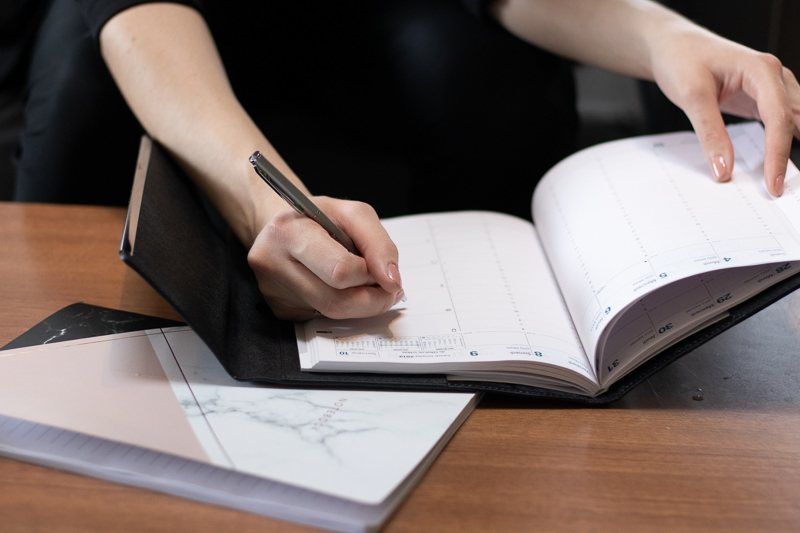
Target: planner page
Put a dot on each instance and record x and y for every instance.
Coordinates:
(665, 316)
(480, 295)
(622, 219)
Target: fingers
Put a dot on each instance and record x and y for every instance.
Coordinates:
(362, 224)
(793, 92)
(312, 247)
(708, 74)
(771, 96)
(702, 108)
(299, 293)
(300, 268)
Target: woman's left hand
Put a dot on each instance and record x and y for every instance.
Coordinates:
(704, 74)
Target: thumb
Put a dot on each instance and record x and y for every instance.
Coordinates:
(703, 113)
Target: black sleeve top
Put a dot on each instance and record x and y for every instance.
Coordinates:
(98, 12)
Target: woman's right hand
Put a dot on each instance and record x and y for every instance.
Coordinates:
(302, 272)
(164, 61)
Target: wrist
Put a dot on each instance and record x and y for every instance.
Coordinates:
(262, 205)
(667, 34)
(263, 202)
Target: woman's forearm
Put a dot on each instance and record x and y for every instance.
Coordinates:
(164, 61)
(616, 35)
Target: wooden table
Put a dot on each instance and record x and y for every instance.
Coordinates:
(658, 460)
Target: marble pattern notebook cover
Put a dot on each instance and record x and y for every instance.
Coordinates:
(162, 394)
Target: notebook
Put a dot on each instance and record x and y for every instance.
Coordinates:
(156, 410)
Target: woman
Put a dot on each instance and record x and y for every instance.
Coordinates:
(168, 68)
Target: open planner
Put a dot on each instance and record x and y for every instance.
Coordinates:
(635, 257)
(634, 248)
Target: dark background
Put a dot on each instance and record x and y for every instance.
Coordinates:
(610, 106)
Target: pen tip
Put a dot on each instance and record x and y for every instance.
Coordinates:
(256, 155)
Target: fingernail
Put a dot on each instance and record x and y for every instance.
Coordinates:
(720, 168)
(400, 296)
(779, 185)
(394, 274)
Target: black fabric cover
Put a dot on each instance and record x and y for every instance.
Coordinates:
(203, 273)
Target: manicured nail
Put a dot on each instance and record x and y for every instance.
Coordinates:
(720, 168)
(394, 274)
(779, 185)
(400, 296)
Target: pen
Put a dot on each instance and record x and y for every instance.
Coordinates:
(301, 203)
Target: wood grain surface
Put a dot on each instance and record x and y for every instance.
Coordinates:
(711, 443)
